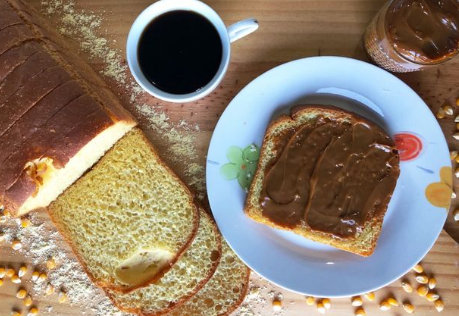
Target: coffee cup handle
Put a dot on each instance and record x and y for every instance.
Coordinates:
(242, 28)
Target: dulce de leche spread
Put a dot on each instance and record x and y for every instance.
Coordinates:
(331, 175)
(424, 31)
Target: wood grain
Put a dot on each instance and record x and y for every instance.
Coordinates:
(288, 30)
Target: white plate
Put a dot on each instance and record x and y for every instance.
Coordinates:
(412, 223)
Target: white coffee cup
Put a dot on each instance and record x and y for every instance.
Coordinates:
(227, 36)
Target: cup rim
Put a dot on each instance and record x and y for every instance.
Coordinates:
(156, 9)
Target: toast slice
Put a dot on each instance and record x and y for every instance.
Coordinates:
(223, 293)
(187, 276)
(326, 197)
(129, 218)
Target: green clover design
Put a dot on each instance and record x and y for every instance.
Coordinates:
(242, 165)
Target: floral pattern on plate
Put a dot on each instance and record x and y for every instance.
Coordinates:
(439, 193)
(242, 164)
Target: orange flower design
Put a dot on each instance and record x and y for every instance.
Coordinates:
(439, 193)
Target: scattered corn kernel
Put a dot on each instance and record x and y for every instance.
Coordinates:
(418, 268)
(28, 301)
(392, 301)
(2, 236)
(327, 303)
(25, 222)
(16, 245)
(422, 278)
(456, 215)
(6, 213)
(360, 312)
(457, 158)
(63, 298)
(42, 277)
(407, 287)
(10, 272)
(384, 306)
(448, 110)
(15, 313)
(408, 308)
(35, 275)
(422, 290)
(439, 305)
(1, 282)
(457, 102)
(357, 301)
(456, 136)
(370, 296)
(432, 283)
(49, 289)
(453, 154)
(453, 195)
(51, 263)
(432, 297)
(456, 172)
(15, 279)
(310, 300)
(321, 308)
(440, 113)
(21, 294)
(33, 311)
(22, 271)
(277, 304)
(2, 272)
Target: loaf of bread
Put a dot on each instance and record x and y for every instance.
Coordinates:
(223, 293)
(187, 276)
(57, 117)
(129, 218)
(325, 174)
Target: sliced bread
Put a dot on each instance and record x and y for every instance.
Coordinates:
(344, 176)
(187, 276)
(129, 218)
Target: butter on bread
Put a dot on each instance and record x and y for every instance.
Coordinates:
(334, 182)
(129, 213)
(57, 117)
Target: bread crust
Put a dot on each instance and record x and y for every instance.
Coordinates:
(372, 229)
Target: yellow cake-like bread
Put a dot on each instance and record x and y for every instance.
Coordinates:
(129, 218)
(187, 276)
(363, 241)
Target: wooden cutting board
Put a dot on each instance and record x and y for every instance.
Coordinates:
(288, 30)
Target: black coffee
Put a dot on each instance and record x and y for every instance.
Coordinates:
(180, 52)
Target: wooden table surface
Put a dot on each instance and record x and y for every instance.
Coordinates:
(289, 29)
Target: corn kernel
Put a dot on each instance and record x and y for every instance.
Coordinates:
(10, 272)
(384, 306)
(2, 236)
(15, 313)
(21, 294)
(51, 263)
(25, 222)
(6, 213)
(35, 275)
(457, 158)
(360, 312)
(321, 308)
(1, 282)
(277, 305)
(63, 298)
(408, 308)
(456, 172)
(407, 287)
(432, 283)
(440, 113)
(456, 215)
(16, 245)
(310, 300)
(439, 305)
(370, 296)
(448, 110)
(453, 195)
(422, 278)
(453, 154)
(33, 311)
(28, 301)
(422, 290)
(392, 301)
(15, 279)
(418, 268)
(457, 102)
(2, 272)
(42, 277)
(327, 303)
(357, 301)
(49, 289)
(456, 136)
(432, 297)
(22, 271)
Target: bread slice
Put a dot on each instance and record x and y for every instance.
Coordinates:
(129, 218)
(187, 276)
(224, 292)
(363, 242)
(57, 117)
